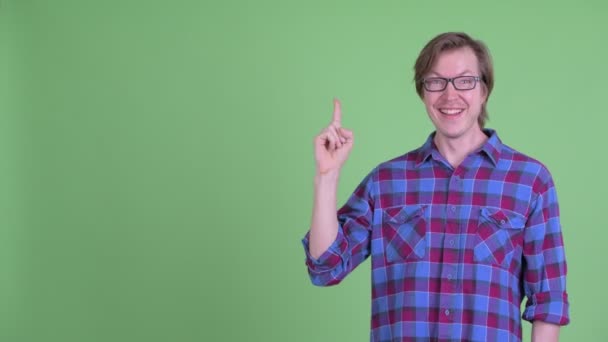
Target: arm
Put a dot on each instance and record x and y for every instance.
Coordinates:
(544, 272)
(544, 332)
(336, 243)
(332, 147)
(351, 243)
(324, 225)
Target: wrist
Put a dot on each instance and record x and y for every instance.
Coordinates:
(327, 178)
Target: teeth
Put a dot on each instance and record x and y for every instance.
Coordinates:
(451, 111)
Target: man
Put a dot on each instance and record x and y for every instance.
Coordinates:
(459, 230)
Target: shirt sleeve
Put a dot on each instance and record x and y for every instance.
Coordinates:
(544, 273)
(352, 244)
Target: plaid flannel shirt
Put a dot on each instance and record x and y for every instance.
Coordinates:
(453, 250)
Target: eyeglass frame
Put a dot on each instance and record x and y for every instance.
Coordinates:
(450, 80)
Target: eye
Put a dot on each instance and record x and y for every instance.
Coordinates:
(434, 81)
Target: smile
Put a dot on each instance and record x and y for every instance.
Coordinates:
(450, 111)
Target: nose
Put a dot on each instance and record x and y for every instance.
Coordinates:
(450, 91)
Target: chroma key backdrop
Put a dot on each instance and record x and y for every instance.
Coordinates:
(156, 157)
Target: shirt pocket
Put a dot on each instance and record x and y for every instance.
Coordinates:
(404, 233)
(499, 231)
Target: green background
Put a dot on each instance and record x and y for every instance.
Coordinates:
(157, 167)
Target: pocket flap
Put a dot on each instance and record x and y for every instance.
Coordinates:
(403, 214)
(504, 218)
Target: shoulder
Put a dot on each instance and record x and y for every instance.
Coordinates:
(392, 169)
(530, 168)
(403, 161)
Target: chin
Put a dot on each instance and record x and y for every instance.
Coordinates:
(450, 134)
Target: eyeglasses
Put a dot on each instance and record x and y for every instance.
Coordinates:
(459, 83)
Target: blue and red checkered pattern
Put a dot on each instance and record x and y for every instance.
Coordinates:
(453, 251)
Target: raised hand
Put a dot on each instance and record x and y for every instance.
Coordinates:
(333, 144)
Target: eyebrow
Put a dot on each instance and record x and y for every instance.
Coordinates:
(460, 74)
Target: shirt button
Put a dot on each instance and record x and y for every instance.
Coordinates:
(447, 312)
(451, 242)
(453, 208)
(503, 221)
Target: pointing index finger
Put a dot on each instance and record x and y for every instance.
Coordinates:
(337, 112)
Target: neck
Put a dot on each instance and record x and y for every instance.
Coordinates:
(455, 150)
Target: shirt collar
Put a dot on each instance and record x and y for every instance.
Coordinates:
(491, 148)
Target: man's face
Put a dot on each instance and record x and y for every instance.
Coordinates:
(454, 112)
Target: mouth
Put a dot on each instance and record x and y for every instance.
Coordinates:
(453, 112)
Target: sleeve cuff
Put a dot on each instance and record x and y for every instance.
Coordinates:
(331, 258)
(550, 307)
